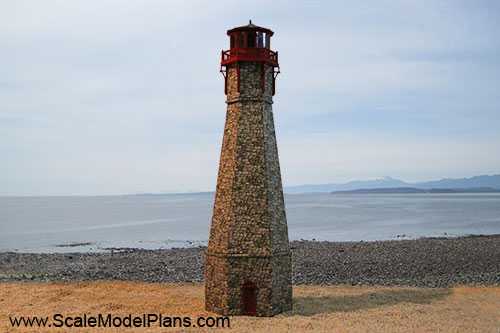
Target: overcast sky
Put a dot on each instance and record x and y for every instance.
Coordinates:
(110, 97)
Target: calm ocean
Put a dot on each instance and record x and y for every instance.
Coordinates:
(43, 224)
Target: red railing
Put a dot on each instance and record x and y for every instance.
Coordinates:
(249, 54)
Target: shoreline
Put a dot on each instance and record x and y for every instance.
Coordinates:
(81, 247)
(421, 262)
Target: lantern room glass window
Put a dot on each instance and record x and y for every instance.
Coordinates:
(241, 40)
(260, 39)
(251, 39)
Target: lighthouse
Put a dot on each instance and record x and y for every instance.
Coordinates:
(248, 260)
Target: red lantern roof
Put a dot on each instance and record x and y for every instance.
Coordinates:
(250, 27)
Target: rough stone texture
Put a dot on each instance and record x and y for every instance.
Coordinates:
(249, 235)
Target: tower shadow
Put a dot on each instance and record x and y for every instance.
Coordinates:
(311, 305)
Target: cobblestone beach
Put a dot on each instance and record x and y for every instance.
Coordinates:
(426, 262)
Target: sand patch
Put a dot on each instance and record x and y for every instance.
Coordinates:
(316, 308)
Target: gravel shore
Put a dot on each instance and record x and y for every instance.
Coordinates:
(429, 262)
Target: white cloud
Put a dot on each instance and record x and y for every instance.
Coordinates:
(125, 96)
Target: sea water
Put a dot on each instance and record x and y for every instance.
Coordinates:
(99, 223)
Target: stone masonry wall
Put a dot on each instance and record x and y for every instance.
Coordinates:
(249, 236)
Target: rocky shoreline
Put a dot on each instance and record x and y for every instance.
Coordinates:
(429, 262)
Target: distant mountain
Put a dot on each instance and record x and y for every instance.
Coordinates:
(388, 182)
(382, 190)
(399, 190)
(477, 181)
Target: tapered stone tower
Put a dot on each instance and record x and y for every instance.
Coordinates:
(248, 262)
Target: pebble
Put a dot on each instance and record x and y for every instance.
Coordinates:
(426, 262)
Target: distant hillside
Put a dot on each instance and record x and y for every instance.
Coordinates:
(477, 181)
(388, 182)
(399, 190)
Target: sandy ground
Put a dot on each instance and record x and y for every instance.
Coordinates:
(316, 308)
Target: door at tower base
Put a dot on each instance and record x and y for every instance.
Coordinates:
(248, 259)
(249, 299)
(248, 286)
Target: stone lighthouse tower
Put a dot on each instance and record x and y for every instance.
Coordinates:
(248, 262)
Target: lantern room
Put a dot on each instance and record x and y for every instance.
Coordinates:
(250, 36)
(249, 43)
